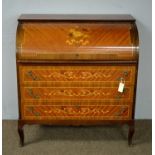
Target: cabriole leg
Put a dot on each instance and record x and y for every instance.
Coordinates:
(131, 132)
(21, 132)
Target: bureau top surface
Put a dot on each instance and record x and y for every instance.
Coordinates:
(71, 17)
(77, 37)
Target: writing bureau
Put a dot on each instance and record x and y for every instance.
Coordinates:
(76, 70)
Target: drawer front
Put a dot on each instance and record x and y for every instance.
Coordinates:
(71, 112)
(76, 75)
(61, 94)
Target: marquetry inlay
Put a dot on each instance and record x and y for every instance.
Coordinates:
(71, 93)
(71, 112)
(78, 36)
(78, 73)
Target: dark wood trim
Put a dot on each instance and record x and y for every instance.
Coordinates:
(135, 92)
(76, 17)
(136, 43)
(76, 62)
(75, 122)
(17, 71)
(18, 87)
(18, 38)
(74, 21)
(131, 131)
(136, 36)
(21, 132)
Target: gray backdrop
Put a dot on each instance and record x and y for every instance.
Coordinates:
(140, 9)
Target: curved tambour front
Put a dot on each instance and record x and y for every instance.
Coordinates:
(77, 41)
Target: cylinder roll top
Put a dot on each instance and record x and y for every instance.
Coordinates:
(67, 38)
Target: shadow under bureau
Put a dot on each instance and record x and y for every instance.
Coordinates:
(77, 70)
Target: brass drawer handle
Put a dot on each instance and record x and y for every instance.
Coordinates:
(32, 76)
(125, 73)
(31, 110)
(77, 106)
(31, 93)
(121, 111)
(120, 79)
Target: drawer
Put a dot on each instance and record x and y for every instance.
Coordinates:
(76, 75)
(71, 112)
(71, 94)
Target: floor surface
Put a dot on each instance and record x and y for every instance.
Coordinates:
(100, 140)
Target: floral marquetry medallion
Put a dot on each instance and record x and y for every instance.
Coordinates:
(78, 36)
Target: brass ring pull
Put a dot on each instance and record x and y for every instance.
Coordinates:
(31, 93)
(31, 74)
